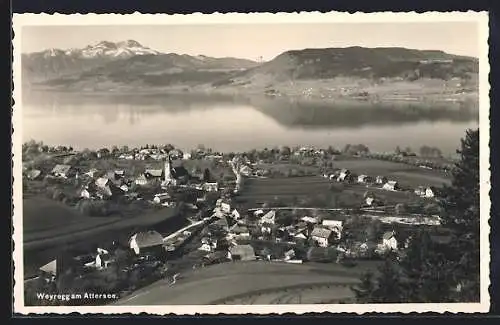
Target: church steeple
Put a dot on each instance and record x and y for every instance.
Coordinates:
(168, 170)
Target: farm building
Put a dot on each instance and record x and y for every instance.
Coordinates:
(322, 236)
(61, 171)
(343, 175)
(144, 242)
(242, 253)
(381, 180)
(391, 186)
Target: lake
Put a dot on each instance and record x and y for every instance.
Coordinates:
(235, 124)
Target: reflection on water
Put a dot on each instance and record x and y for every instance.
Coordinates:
(227, 123)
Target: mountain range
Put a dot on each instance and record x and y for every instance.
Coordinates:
(129, 65)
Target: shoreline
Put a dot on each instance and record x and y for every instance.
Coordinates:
(242, 94)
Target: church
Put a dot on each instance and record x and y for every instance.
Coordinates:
(173, 176)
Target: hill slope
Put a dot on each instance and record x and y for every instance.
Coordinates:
(325, 73)
(371, 63)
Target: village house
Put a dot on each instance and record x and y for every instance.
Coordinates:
(91, 173)
(63, 171)
(246, 171)
(104, 260)
(205, 248)
(161, 198)
(429, 192)
(322, 236)
(389, 242)
(153, 173)
(242, 253)
(268, 218)
(146, 242)
(225, 207)
(290, 254)
(335, 226)
(141, 180)
(381, 180)
(258, 213)
(106, 188)
(299, 237)
(311, 220)
(33, 174)
(420, 191)
(391, 186)
(210, 187)
(85, 193)
(266, 228)
(235, 214)
(363, 179)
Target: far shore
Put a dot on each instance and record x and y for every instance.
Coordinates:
(471, 98)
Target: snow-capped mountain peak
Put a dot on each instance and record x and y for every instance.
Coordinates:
(127, 48)
(103, 49)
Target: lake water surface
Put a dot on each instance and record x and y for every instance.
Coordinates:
(230, 124)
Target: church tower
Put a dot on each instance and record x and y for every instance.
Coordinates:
(168, 171)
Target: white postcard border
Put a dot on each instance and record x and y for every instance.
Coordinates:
(20, 20)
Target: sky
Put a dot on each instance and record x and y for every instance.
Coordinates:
(261, 41)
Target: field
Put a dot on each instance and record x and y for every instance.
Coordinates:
(316, 191)
(405, 174)
(258, 191)
(50, 227)
(253, 282)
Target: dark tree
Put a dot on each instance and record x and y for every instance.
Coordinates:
(206, 175)
(365, 290)
(460, 204)
(389, 285)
